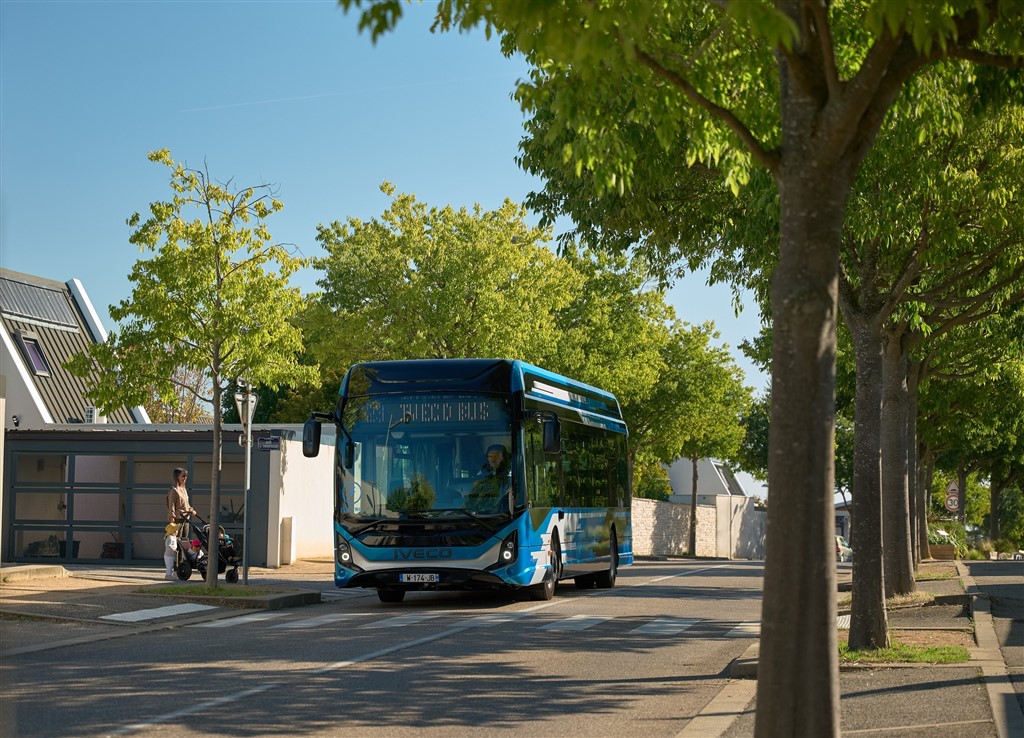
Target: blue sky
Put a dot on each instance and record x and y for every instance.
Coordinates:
(287, 93)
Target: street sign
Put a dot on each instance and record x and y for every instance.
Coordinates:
(953, 496)
(268, 443)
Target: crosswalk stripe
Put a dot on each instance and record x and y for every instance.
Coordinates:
(750, 629)
(136, 616)
(333, 617)
(666, 626)
(403, 620)
(494, 618)
(576, 622)
(251, 618)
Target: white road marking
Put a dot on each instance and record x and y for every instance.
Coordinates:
(750, 629)
(666, 626)
(403, 620)
(136, 616)
(251, 618)
(494, 618)
(576, 622)
(333, 617)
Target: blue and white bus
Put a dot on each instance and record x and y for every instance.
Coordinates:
(475, 474)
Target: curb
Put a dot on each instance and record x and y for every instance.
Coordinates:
(275, 601)
(23, 573)
(1006, 710)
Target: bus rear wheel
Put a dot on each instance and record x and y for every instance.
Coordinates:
(391, 596)
(606, 579)
(546, 589)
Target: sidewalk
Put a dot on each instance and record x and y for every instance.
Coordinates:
(969, 700)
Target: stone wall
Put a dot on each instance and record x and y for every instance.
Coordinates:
(663, 528)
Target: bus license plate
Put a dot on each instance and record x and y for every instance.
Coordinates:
(419, 578)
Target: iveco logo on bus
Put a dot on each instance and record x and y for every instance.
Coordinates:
(407, 554)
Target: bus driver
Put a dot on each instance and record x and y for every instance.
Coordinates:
(493, 482)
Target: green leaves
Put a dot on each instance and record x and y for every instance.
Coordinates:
(213, 296)
(439, 282)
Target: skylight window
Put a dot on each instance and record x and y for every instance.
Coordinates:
(29, 343)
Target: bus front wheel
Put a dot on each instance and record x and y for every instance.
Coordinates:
(546, 589)
(606, 579)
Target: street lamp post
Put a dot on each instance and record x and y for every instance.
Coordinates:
(245, 402)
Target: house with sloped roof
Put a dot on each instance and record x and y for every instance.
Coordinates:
(44, 323)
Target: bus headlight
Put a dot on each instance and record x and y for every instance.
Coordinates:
(345, 554)
(507, 553)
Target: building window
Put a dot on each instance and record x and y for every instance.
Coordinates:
(33, 352)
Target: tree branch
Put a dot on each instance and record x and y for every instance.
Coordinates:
(819, 13)
(768, 159)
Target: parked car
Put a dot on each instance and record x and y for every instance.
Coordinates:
(843, 550)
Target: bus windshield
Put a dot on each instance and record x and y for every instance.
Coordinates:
(423, 455)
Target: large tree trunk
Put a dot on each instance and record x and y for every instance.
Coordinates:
(869, 627)
(798, 675)
(995, 492)
(897, 559)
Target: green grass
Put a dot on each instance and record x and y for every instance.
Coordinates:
(936, 576)
(200, 590)
(900, 653)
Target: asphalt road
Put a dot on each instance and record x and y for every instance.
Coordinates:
(640, 660)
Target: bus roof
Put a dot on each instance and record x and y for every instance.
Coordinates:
(503, 376)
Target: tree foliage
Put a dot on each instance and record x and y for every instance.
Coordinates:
(438, 282)
(213, 299)
(485, 284)
(800, 88)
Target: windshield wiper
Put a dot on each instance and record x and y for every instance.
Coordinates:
(371, 526)
(462, 511)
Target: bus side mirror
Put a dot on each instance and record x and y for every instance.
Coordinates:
(552, 436)
(311, 438)
(350, 454)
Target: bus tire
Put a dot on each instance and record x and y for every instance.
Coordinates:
(606, 579)
(546, 589)
(391, 596)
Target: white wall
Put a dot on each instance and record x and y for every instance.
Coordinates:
(300, 489)
(709, 481)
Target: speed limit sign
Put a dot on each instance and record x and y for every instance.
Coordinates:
(953, 503)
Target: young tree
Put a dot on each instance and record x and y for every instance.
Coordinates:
(801, 88)
(213, 298)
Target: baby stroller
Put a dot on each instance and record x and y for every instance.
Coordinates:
(193, 552)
